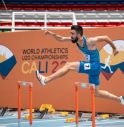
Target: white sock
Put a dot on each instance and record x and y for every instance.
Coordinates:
(41, 78)
(122, 100)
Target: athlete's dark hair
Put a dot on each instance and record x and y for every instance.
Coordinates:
(78, 29)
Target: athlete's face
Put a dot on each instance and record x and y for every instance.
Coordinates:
(74, 36)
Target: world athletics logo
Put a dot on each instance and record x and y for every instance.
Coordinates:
(109, 62)
(7, 61)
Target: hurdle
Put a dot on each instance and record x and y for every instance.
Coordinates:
(92, 92)
(25, 84)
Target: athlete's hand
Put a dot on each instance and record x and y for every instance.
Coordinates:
(115, 52)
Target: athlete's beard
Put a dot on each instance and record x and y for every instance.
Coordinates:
(74, 40)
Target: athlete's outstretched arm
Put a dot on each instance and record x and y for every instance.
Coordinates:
(57, 37)
(106, 39)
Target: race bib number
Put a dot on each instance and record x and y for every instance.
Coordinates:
(87, 66)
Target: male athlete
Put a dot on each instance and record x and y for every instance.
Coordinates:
(91, 64)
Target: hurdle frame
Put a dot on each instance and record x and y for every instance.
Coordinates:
(92, 92)
(30, 85)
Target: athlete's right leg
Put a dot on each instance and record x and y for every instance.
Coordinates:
(106, 95)
(70, 66)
